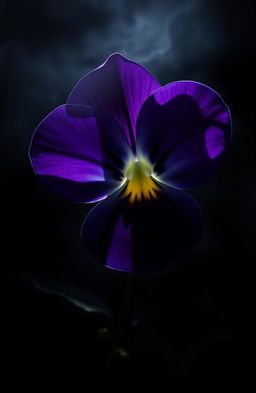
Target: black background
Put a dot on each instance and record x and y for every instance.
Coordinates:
(187, 327)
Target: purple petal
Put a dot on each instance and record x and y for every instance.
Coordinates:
(118, 87)
(145, 236)
(79, 153)
(184, 129)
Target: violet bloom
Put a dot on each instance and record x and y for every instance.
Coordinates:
(123, 139)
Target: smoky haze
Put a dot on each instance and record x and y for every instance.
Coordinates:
(46, 47)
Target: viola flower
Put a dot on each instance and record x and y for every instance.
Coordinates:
(123, 139)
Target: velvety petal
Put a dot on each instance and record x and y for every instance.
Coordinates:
(184, 129)
(144, 236)
(79, 153)
(118, 87)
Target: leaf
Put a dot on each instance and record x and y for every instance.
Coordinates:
(79, 297)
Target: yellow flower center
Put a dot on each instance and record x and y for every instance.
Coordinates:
(140, 182)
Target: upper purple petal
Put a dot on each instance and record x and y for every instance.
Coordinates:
(118, 87)
(79, 152)
(144, 236)
(184, 129)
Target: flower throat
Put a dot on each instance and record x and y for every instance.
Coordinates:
(140, 183)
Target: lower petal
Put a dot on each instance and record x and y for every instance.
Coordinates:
(145, 236)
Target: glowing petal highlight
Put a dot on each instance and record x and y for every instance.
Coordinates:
(214, 142)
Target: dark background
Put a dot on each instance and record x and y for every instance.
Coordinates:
(189, 327)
